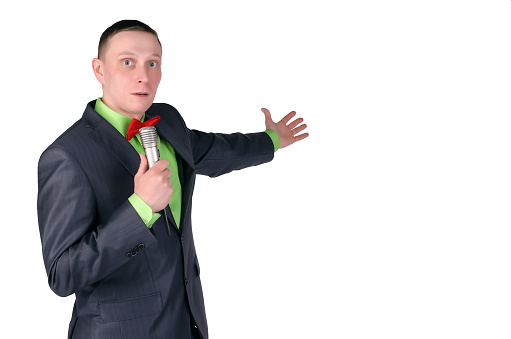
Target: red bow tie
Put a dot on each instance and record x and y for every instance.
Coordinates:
(136, 125)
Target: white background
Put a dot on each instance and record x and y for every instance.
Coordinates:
(390, 221)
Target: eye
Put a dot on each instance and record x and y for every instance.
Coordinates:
(127, 63)
(152, 64)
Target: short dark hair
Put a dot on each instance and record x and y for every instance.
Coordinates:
(124, 25)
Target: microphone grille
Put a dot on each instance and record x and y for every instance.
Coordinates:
(148, 136)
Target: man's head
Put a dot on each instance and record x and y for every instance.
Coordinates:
(128, 67)
(124, 25)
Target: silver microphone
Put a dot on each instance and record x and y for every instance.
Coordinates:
(149, 139)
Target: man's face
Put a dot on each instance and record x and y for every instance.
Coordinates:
(130, 72)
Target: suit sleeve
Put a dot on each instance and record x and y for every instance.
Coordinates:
(216, 154)
(76, 251)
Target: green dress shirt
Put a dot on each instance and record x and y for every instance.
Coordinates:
(121, 123)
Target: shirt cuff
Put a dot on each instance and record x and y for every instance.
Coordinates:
(143, 210)
(275, 138)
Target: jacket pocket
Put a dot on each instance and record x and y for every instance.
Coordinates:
(127, 309)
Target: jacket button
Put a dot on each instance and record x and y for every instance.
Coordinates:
(135, 251)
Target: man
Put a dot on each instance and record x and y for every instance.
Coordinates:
(134, 271)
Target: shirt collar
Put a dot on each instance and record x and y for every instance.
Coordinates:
(119, 121)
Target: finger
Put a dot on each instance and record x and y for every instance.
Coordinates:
(166, 173)
(301, 136)
(160, 165)
(295, 123)
(299, 129)
(288, 117)
(143, 165)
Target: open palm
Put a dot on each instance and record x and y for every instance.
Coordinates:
(286, 130)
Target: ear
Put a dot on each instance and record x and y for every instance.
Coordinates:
(97, 67)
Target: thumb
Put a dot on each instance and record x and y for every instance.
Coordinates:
(267, 114)
(143, 165)
(267, 119)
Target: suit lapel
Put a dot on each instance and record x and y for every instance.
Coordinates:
(107, 136)
(175, 138)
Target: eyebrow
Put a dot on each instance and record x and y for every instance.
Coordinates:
(127, 53)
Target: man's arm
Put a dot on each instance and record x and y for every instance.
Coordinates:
(77, 251)
(215, 154)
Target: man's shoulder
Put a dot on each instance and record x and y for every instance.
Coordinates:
(78, 132)
(75, 129)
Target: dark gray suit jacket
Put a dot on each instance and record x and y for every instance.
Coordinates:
(129, 281)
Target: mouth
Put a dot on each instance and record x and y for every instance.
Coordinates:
(141, 94)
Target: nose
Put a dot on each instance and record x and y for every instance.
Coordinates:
(142, 76)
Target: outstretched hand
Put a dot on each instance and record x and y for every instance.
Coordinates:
(288, 133)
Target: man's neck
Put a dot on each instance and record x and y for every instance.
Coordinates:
(132, 115)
